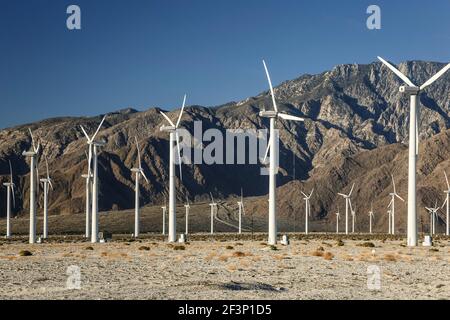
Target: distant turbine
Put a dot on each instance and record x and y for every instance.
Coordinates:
(353, 212)
(34, 185)
(433, 214)
(46, 182)
(446, 202)
(187, 207)
(93, 155)
(9, 192)
(138, 172)
(347, 206)
(273, 115)
(213, 206)
(307, 208)
(172, 128)
(371, 217)
(413, 91)
(392, 205)
(337, 221)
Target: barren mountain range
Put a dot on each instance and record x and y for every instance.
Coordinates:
(355, 132)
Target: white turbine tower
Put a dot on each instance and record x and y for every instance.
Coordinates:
(46, 182)
(392, 205)
(93, 157)
(9, 192)
(353, 212)
(413, 91)
(187, 206)
(172, 128)
(446, 202)
(164, 213)
(34, 185)
(273, 116)
(347, 206)
(371, 217)
(241, 210)
(307, 209)
(338, 215)
(433, 214)
(213, 206)
(88, 178)
(390, 222)
(138, 172)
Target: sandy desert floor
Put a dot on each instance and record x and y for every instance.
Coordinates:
(152, 269)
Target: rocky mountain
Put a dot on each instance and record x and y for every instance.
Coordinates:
(355, 132)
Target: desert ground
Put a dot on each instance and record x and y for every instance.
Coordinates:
(226, 266)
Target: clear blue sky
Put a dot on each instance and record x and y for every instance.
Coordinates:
(144, 53)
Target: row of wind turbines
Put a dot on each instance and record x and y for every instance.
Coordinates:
(273, 115)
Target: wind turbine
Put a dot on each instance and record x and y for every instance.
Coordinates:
(241, 210)
(433, 214)
(172, 128)
(392, 205)
(353, 212)
(187, 206)
(93, 155)
(88, 178)
(446, 202)
(164, 213)
(307, 208)
(34, 184)
(46, 182)
(347, 204)
(273, 115)
(390, 221)
(9, 191)
(413, 91)
(138, 172)
(213, 206)
(371, 217)
(337, 221)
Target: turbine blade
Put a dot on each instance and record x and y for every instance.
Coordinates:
(290, 117)
(179, 154)
(351, 190)
(271, 87)
(417, 132)
(181, 112)
(32, 139)
(341, 194)
(212, 199)
(90, 161)
(390, 203)
(267, 152)
(397, 72)
(139, 152)
(445, 202)
(13, 195)
(46, 166)
(50, 184)
(446, 180)
(393, 183)
(304, 194)
(98, 129)
(10, 171)
(145, 177)
(84, 131)
(435, 77)
(167, 118)
(399, 197)
(312, 191)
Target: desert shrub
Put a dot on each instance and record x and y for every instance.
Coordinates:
(179, 248)
(367, 245)
(328, 256)
(89, 248)
(144, 248)
(317, 253)
(390, 257)
(238, 254)
(25, 253)
(229, 247)
(273, 248)
(340, 243)
(434, 250)
(320, 249)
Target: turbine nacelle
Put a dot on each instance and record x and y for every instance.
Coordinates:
(412, 91)
(268, 114)
(168, 128)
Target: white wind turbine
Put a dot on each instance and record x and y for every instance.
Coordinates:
(187, 206)
(446, 202)
(138, 172)
(371, 217)
(307, 209)
(433, 214)
(413, 91)
(93, 160)
(390, 221)
(392, 205)
(174, 138)
(164, 213)
(241, 210)
(273, 116)
(347, 206)
(88, 178)
(34, 184)
(213, 206)
(9, 192)
(46, 182)
(338, 215)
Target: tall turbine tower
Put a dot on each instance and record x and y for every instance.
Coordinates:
(446, 202)
(241, 210)
(138, 172)
(413, 91)
(93, 155)
(353, 212)
(273, 116)
(187, 206)
(34, 185)
(164, 213)
(172, 128)
(213, 206)
(88, 178)
(307, 209)
(392, 205)
(337, 221)
(347, 206)
(371, 217)
(390, 222)
(433, 214)
(46, 182)
(9, 192)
